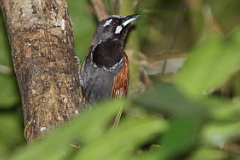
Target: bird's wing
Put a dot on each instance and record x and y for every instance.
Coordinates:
(120, 83)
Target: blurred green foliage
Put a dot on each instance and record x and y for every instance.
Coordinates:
(83, 25)
(194, 117)
(8, 89)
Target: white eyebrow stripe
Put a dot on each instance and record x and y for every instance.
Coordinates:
(107, 23)
(116, 16)
(118, 29)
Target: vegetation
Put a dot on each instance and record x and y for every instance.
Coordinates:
(193, 114)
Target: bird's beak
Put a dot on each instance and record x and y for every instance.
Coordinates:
(128, 19)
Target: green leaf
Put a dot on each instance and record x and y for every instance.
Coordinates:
(167, 99)
(210, 64)
(222, 110)
(219, 133)
(187, 116)
(120, 143)
(209, 153)
(88, 127)
(180, 138)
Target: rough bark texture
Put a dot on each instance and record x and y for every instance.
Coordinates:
(42, 48)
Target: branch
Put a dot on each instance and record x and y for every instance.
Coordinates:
(42, 49)
(100, 9)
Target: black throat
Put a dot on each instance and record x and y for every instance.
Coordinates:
(108, 53)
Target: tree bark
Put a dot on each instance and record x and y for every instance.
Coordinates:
(42, 49)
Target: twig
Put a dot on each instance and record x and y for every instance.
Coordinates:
(117, 118)
(100, 9)
(116, 7)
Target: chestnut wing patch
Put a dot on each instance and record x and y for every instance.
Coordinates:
(120, 83)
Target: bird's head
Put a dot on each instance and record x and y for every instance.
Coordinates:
(114, 27)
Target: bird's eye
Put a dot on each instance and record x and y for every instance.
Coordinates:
(114, 23)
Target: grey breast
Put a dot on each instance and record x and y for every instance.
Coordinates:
(97, 82)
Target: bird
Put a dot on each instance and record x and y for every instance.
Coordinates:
(105, 71)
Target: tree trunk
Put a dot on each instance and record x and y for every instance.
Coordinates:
(42, 48)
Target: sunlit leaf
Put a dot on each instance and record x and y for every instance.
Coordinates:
(208, 153)
(210, 65)
(217, 134)
(223, 110)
